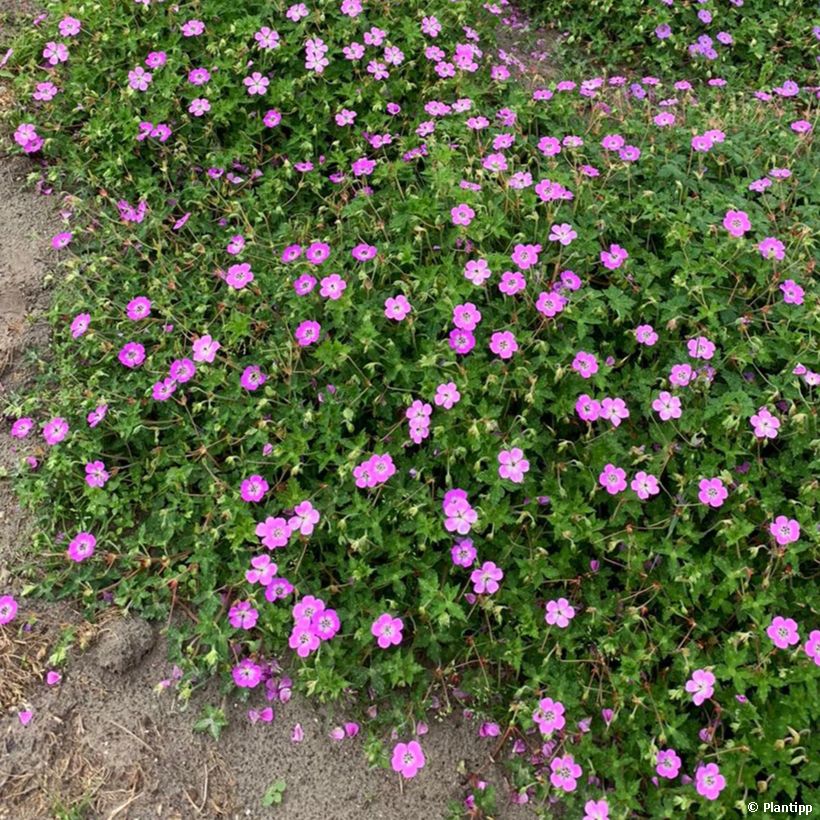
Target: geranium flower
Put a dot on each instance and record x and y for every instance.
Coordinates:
(737, 223)
(462, 214)
(55, 431)
(304, 519)
(785, 530)
(811, 647)
(565, 773)
(247, 674)
(559, 613)
(407, 758)
(549, 716)
(596, 810)
(585, 364)
(512, 465)
(95, 474)
(764, 424)
(667, 764)
(447, 395)
(242, 615)
(783, 632)
(253, 488)
(503, 344)
(709, 782)
(8, 609)
(645, 485)
(712, 492)
(613, 479)
(701, 686)
(387, 630)
(307, 333)
(463, 553)
(486, 579)
(81, 546)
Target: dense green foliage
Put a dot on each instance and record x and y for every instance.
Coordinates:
(660, 587)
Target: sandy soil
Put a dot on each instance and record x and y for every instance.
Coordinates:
(104, 743)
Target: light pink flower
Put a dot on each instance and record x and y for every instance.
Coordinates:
(783, 632)
(387, 630)
(701, 686)
(513, 465)
(785, 530)
(486, 579)
(559, 613)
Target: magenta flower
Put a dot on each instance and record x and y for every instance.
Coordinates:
(332, 287)
(81, 546)
(182, 370)
(764, 424)
(407, 758)
(325, 624)
(205, 349)
(614, 410)
(667, 764)
(667, 406)
(712, 492)
(811, 647)
(565, 773)
(585, 364)
(462, 214)
(525, 256)
(645, 485)
(239, 276)
(463, 553)
(596, 810)
(95, 474)
(247, 674)
(793, 294)
(397, 307)
(563, 233)
(304, 519)
(461, 341)
(466, 316)
(701, 348)
(737, 223)
(550, 303)
(614, 257)
(709, 782)
(613, 479)
(387, 630)
(459, 515)
(513, 465)
(274, 532)
(307, 333)
(242, 615)
(303, 639)
(22, 427)
(61, 240)
(503, 344)
(317, 253)
(8, 609)
(138, 308)
(55, 431)
(701, 686)
(485, 579)
(132, 355)
(559, 613)
(587, 408)
(772, 248)
(447, 395)
(252, 377)
(512, 282)
(785, 530)
(253, 488)
(80, 324)
(549, 715)
(783, 632)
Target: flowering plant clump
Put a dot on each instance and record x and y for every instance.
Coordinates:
(501, 395)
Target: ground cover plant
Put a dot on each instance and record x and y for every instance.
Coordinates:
(502, 396)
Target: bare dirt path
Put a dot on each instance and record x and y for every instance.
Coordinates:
(104, 743)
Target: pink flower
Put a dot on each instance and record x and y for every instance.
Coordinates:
(559, 613)
(304, 519)
(792, 292)
(325, 624)
(132, 355)
(783, 632)
(701, 348)
(407, 758)
(8, 609)
(387, 630)
(587, 408)
(61, 240)
(53, 677)
(466, 316)
(526, 256)
(737, 223)
(614, 257)
(55, 53)
(667, 406)
(463, 553)
(397, 307)
(55, 431)
(95, 474)
(785, 530)
(712, 492)
(565, 772)
(317, 252)
(512, 282)
(811, 647)
(332, 287)
(563, 233)
(477, 271)
(771, 247)
(550, 303)
(613, 479)
(253, 488)
(242, 615)
(585, 364)
(303, 639)
(307, 333)
(549, 715)
(645, 335)
(614, 410)
(205, 349)
(274, 532)
(764, 424)
(503, 344)
(596, 810)
(462, 341)
(247, 674)
(667, 764)
(138, 308)
(252, 377)
(513, 465)
(239, 276)
(709, 782)
(459, 516)
(645, 485)
(80, 324)
(81, 546)
(462, 214)
(447, 395)
(22, 427)
(701, 686)
(486, 578)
